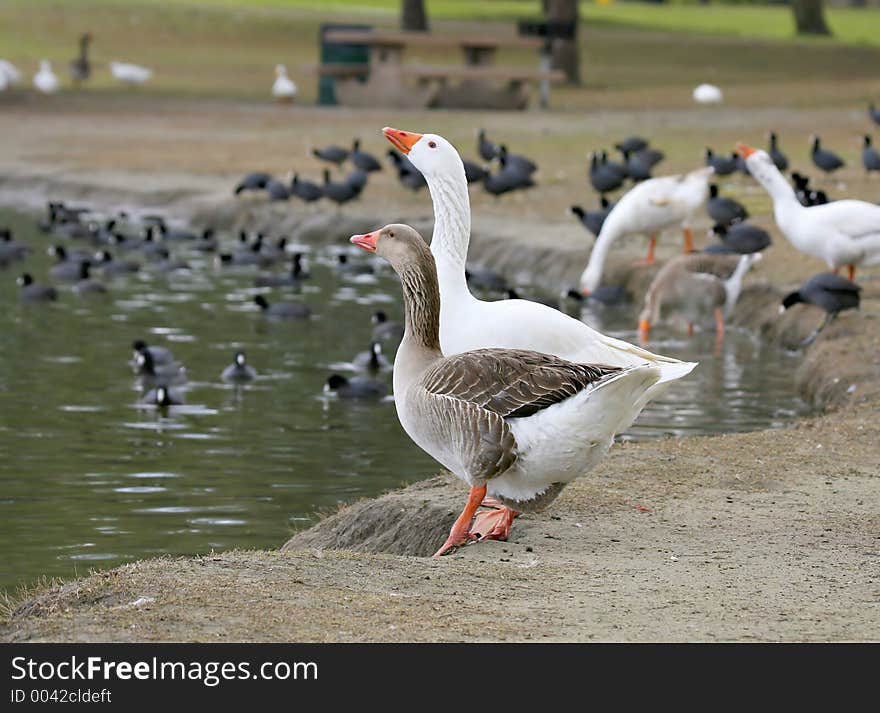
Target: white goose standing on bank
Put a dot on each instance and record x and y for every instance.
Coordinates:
(9, 74)
(45, 80)
(283, 89)
(467, 323)
(128, 73)
(841, 233)
(647, 209)
(513, 424)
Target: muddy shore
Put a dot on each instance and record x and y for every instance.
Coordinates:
(771, 535)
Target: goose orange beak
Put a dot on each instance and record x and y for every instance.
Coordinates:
(403, 141)
(367, 241)
(745, 151)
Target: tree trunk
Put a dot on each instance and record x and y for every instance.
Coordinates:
(565, 51)
(414, 18)
(809, 17)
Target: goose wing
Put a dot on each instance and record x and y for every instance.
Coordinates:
(478, 391)
(512, 383)
(717, 265)
(857, 219)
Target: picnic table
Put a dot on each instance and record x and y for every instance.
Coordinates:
(478, 83)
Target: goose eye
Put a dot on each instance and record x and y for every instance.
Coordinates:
(432, 144)
(391, 234)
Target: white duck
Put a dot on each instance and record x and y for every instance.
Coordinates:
(708, 94)
(648, 208)
(840, 233)
(694, 286)
(130, 73)
(45, 80)
(284, 89)
(9, 74)
(467, 323)
(513, 424)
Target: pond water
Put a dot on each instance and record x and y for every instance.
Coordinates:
(89, 479)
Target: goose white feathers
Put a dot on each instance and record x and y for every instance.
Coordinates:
(708, 94)
(45, 80)
(647, 209)
(9, 74)
(840, 233)
(130, 73)
(283, 89)
(513, 424)
(467, 323)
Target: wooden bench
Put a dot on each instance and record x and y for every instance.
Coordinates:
(388, 81)
(339, 69)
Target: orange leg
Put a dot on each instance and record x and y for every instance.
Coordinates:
(690, 329)
(719, 322)
(649, 260)
(719, 331)
(460, 532)
(494, 524)
(644, 331)
(852, 272)
(688, 240)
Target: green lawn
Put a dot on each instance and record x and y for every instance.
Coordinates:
(228, 48)
(849, 25)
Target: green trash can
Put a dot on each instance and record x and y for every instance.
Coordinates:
(339, 53)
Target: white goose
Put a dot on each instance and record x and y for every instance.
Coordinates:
(467, 323)
(647, 209)
(513, 424)
(708, 94)
(9, 74)
(45, 80)
(839, 233)
(130, 73)
(283, 89)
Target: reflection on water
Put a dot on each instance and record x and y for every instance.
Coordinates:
(742, 386)
(90, 479)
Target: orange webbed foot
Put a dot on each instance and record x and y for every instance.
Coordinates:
(493, 524)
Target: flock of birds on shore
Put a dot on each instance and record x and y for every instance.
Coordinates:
(514, 172)
(514, 396)
(79, 70)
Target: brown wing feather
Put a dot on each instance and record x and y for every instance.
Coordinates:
(483, 439)
(721, 266)
(512, 383)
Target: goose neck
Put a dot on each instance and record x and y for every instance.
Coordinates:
(452, 224)
(421, 301)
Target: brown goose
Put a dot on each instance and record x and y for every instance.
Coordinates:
(696, 285)
(514, 424)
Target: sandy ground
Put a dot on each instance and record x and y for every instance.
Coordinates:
(763, 536)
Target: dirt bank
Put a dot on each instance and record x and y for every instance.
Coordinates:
(763, 536)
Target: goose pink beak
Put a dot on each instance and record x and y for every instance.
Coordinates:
(403, 141)
(745, 151)
(367, 241)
